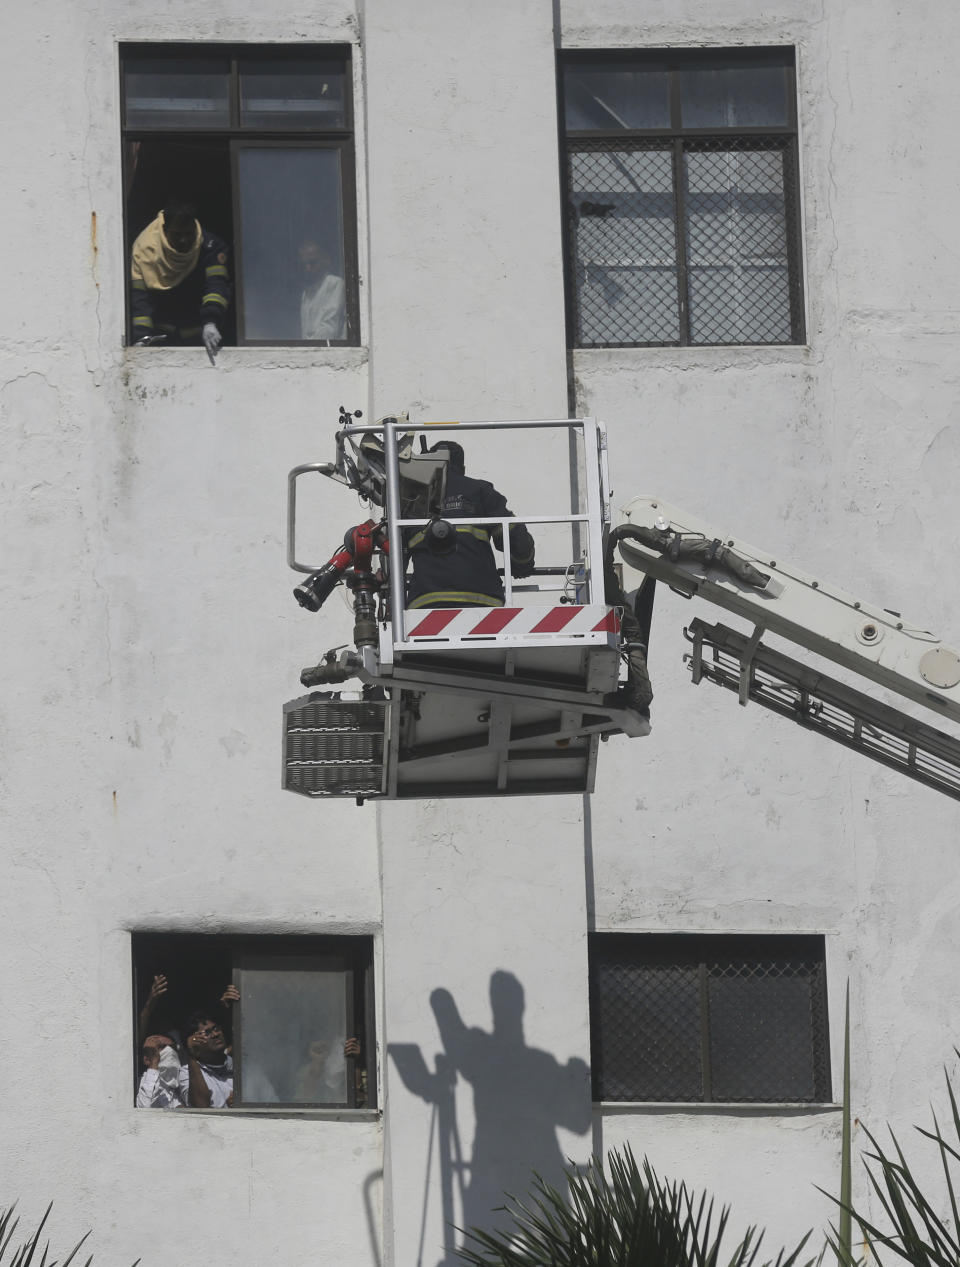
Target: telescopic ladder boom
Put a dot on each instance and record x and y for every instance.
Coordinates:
(659, 540)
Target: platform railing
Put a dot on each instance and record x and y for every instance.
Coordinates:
(588, 524)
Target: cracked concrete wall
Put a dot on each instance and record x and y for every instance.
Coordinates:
(840, 455)
(151, 636)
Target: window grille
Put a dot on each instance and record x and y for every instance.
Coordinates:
(708, 1018)
(681, 234)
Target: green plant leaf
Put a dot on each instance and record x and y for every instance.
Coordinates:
(622, 1217)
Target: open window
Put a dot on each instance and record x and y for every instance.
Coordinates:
(259, 139)
(286, 1035)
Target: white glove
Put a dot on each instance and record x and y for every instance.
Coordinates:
(212, 339)
(168, 1068)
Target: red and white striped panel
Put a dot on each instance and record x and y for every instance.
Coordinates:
(509, 622)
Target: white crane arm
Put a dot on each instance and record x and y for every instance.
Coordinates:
(875, 642)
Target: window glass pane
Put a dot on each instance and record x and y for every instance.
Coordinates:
(294, 1028)
(291, 242)
(733, 96)
(646, 1024)
(167, 93)
(624, 241)
(606, 96)
(761, 1032)
(736, 238)
(284, 94)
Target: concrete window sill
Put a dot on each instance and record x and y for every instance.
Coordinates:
(730, 355)
(281, 1111)
(292, 357)
(725, 1108)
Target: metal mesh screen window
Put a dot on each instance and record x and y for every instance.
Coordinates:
(624, 246)
(708, 1018)
(682, 199)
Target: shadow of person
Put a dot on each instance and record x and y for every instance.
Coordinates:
(520, 1096)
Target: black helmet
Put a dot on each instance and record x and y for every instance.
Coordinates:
(456, 462)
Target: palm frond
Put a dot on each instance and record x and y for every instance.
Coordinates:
(26, 1254)
(625, 1216)
(922, 1226)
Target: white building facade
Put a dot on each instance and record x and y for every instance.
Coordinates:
(808, 403)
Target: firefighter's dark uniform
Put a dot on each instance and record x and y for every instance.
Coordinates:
(181, 312)
(467, 575)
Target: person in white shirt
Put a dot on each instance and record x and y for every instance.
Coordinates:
(323, 306)
(160, 1085)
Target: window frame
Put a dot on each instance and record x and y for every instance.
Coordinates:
(699, 949)
(355, 950)
(236, 136)
(676, 139)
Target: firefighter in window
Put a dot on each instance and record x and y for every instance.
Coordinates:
(180, 282)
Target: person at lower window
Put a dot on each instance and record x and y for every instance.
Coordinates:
(160, 1084)
(323, 303)
(461, 571)
(180, 281)
(206, 1080)
(321, 1079)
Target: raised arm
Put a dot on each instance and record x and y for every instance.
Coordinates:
(199, 1095)
(157, 990)
(459, 1042)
